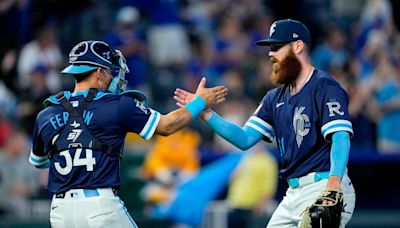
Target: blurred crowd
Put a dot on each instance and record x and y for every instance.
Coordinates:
(173, 43)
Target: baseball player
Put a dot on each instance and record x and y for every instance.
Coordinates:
(80, 136)
(307, 115)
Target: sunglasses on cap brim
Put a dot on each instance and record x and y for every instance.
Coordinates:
(276, 47)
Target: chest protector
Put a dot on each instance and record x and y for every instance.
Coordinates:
(75, 133)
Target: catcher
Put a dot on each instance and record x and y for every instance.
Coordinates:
(80, 136)
(307, 115)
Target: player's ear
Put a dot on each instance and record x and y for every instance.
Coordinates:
(298, 47)
(100, 77)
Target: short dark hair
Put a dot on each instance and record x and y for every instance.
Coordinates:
(83, 76)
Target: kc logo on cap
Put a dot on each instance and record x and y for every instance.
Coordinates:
(272, 29)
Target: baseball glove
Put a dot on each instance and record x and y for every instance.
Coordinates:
(324, 216)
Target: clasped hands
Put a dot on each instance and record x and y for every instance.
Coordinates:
(212, 96)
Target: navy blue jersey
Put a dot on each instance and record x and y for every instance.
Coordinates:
(108, 117)
(303, 123)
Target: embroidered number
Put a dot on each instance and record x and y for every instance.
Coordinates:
(89, 161)
(68, 163)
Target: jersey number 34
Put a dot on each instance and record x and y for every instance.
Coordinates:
(89, 161)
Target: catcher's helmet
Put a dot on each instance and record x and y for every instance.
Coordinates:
(90, 55)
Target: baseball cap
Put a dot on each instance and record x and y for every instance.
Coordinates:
(286, 31)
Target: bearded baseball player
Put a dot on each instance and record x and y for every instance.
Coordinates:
(79, 136)
(307, 115)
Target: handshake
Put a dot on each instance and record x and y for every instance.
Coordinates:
(211, 96)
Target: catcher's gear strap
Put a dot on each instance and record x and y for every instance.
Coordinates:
(242, 137)
(320, 215)
(76, 129)
(53, 100)
(339, 153)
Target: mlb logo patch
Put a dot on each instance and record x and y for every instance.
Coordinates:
(74, 103)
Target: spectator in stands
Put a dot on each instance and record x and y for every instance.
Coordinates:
(16, 22)
(376, 41)
(375, 15)
(44, 50)
(8, 62)
(128, 37)
(257, 25)
(332, 52)
(364, 129)
(385, 86)
(252, 189)
(5, 131)
(32, 98)
(8, 102)
(201, 62)
(167, 38)
(230, 43)
(18, 180)
(173, 160)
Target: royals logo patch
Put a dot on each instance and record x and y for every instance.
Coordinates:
(301, 124)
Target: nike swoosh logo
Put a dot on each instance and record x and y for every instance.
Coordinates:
(54, 207)
(280, 104)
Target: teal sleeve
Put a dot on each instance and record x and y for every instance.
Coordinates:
(241, 137)
(339, 153)
(44, 166)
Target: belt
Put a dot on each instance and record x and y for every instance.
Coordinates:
(86, 193)
(308, 179)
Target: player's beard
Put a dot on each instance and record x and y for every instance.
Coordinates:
(287, 70)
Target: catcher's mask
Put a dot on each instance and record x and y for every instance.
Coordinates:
(90, 55)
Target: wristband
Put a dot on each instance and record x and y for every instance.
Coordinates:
(196, 106)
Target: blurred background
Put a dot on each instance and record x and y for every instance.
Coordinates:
(194, 178)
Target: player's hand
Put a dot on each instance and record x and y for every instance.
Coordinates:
(332, 185)
(212, 96)
(183, 97)
(216, 95)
